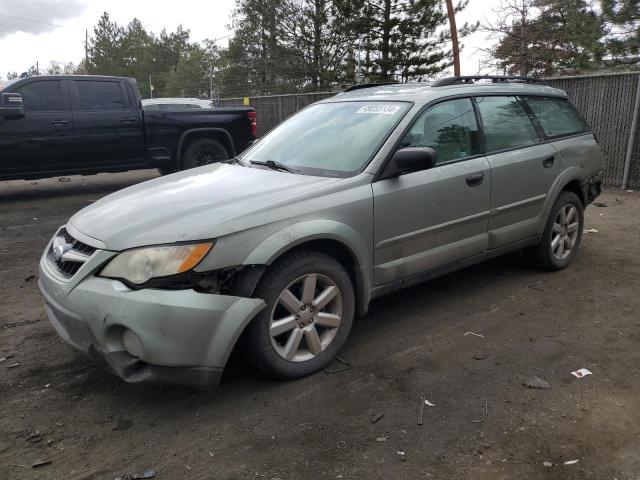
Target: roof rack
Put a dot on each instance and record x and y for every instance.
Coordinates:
(472, 79)
(369, 85)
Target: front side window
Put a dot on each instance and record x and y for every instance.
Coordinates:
(506, 124)
(44, 96)
(450, 128)
(556, 116)
(330, 139)
(100, 95)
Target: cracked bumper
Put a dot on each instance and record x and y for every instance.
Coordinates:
(178, 336)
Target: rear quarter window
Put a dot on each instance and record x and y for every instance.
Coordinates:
(557, 116)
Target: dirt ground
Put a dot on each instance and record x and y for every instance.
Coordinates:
(57, 406)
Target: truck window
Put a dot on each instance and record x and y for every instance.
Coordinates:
(450, 128)
(44, 96)
(505, 123)
(100, 95)
(556, 116)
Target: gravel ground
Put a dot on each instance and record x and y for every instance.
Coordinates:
(360, 423)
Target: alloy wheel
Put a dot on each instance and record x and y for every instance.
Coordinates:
(306, 317)
(565, 232)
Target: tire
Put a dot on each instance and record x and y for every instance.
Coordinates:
(552, 254)
(203, 152)
(275, 355)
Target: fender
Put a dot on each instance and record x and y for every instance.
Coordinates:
(569, 175)
(204, 130)
(299, 233)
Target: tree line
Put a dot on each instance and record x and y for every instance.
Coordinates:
(284, 46)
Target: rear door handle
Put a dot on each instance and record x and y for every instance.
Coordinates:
(59, 122)
(548, 162)
(129, 120)
(475, 179)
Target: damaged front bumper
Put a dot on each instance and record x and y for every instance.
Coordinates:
(162, 336)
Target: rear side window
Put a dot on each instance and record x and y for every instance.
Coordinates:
(100, 95)
(450, 128)
(45, 96)
(557, 116)
(506, 124)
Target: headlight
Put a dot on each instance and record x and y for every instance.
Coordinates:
(142, 264)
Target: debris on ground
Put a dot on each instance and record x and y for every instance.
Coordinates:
(599, 204)
(480, 356)
(537, 383)
(382, 439)
(29, 278)
(340, 368)
(401, 455)
(40, 463)
(428, 403)
(591, 230)
(34, 437)
(150, 473)
(538, 285)
(583, 372)
(570, 462)
(475, 334)
(547, 464)
(14, 365)
(341, 444)
(7, 357)
(377, 418)
(421, 410)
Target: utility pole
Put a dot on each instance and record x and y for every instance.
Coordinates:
(150, 87)
(454, 38)
(37, 68)
(86, 51)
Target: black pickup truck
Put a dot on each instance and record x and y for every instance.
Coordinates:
(64, 125)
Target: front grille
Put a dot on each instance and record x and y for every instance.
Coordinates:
(67, 254)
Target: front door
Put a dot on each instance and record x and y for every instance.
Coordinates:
(428, 219)
(43, 140)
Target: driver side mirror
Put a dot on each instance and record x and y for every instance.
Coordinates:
(410, 159)
(11, 106)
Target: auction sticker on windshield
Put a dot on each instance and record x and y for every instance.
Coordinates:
(379, 108)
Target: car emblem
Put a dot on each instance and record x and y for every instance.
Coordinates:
(60, 250)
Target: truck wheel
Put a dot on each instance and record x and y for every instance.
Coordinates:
(310, 307)
(562, 234)
(203, 152)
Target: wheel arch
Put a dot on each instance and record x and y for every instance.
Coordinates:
(333, 238)
(219, 134)
(571, 180)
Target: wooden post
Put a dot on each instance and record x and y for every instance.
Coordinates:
(454, 38)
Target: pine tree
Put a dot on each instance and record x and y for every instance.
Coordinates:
(623, 36)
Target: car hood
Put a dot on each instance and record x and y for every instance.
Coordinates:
(201, 203)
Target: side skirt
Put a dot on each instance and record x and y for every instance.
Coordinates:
(380, 290)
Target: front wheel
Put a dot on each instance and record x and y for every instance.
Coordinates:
(562, 233)
(310, 307)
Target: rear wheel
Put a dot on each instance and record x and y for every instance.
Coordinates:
(310, 308)
(562, 234)
(203, 152)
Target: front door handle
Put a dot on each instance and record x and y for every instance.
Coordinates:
(475, 179)
(59, 122)
(548, 162)
(129, 120)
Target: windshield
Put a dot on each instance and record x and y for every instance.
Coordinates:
(330, 139)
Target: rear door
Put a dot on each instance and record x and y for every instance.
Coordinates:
(42, 140)
(428, 219)
(523, 168)
(108, 123)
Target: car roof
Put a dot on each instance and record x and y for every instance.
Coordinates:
(425, 92)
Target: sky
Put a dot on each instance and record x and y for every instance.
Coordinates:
(54, 30)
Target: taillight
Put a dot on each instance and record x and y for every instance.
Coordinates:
(252, 121)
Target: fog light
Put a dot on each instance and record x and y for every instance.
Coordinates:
(131, 343)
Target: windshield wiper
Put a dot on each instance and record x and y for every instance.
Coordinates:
(275, 165)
